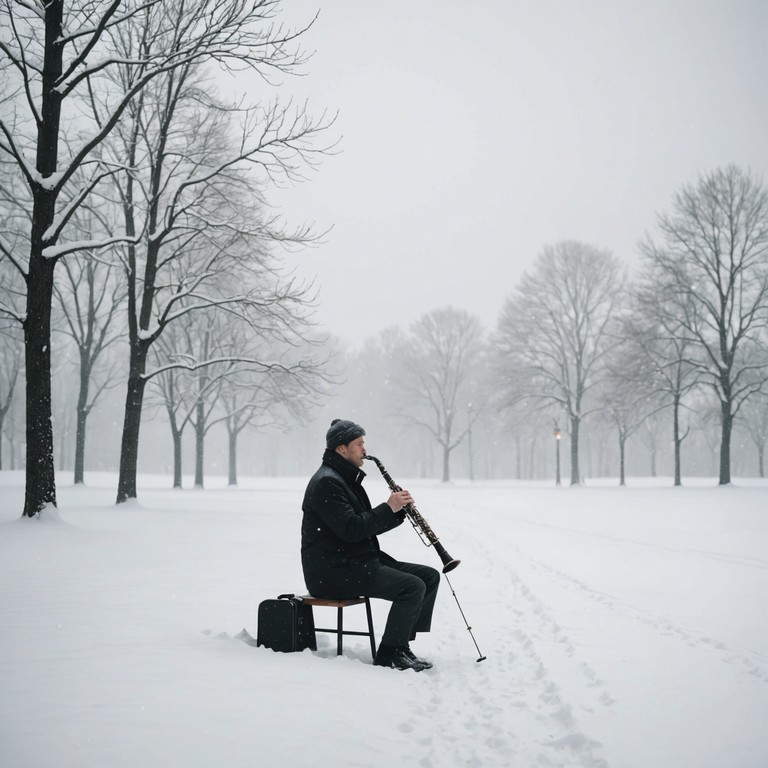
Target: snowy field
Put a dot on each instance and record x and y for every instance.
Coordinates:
(624, 627)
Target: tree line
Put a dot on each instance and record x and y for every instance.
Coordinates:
(582, 343)
(138, 233)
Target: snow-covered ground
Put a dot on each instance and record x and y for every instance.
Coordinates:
(624, 627)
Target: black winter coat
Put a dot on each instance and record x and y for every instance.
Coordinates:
(339, 549)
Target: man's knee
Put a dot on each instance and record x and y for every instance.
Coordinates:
(431, 578)
(412, 588)
(418, 587)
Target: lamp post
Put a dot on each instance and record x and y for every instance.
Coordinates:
(557, 435)
(469, 441)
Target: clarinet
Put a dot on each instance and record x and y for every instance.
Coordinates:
(420, 525)
(428, 537)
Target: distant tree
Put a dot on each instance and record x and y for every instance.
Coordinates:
(189, 379)
(753, 419)
(11, 362)
(627, 396)
(211, 368)
(282, 396)
(90, 299)
(205, 343)
(652, 436)
(171, 392)
(657, 341)
(246, 401)
(434, 374)
(553, 335)
(712, 266)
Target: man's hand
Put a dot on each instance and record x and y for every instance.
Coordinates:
(399, 499)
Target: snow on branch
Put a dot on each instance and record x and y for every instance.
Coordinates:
(195, 365)
(94, 33)
(63, 249)
(36, 8)
(60, 219)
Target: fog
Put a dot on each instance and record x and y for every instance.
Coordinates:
(466, 138)
(470, 135)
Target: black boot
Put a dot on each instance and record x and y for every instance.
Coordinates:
(413, 657)
(397, 658)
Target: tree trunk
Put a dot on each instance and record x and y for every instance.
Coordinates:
(11, 442)
(622, 448)
(82, 416)
(760, 459)
(40, 476)
(532, 459)
(176, 456)
(575, 450)
(677, 440)
(199, 444)
(725, 442)
(654, 452)
(129, 450)
(232, 456)
(469, 455)
(446, 464)
(176, 432)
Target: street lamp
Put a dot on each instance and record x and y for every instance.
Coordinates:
(558, 436)
(469, 441)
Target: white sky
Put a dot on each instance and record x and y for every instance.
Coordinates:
(475, 133)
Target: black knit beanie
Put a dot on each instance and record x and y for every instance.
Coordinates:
(342, 432)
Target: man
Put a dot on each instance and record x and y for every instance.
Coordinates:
(340, 553)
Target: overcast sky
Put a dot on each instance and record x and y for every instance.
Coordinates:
(474, 133)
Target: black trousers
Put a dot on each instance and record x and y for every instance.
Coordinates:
(412, 588)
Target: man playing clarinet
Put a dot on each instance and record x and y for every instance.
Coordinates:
(340, 551)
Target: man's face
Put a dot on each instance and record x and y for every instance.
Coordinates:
(353, 452)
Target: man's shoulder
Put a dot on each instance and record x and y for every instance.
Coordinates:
(326, 470)
(325, 474)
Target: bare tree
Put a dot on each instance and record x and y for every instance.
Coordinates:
(652, 436)
(210, 369)
(205, 343)
(246, 401)
(627, 396)
(53, 55)
(190, 394)
(655, 335)
(254, 400)
(435, 374)
(712, 262)
(90, 298)
(554, 333)
(172, 390)
(11, 361)
(194, 204)
(753, 418)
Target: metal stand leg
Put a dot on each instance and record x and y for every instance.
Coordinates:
(370, 626)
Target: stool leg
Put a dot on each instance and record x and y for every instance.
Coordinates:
(339, 630)
(370, 627)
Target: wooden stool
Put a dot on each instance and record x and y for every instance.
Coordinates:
(340, 605)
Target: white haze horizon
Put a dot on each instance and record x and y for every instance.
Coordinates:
(471, 137)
